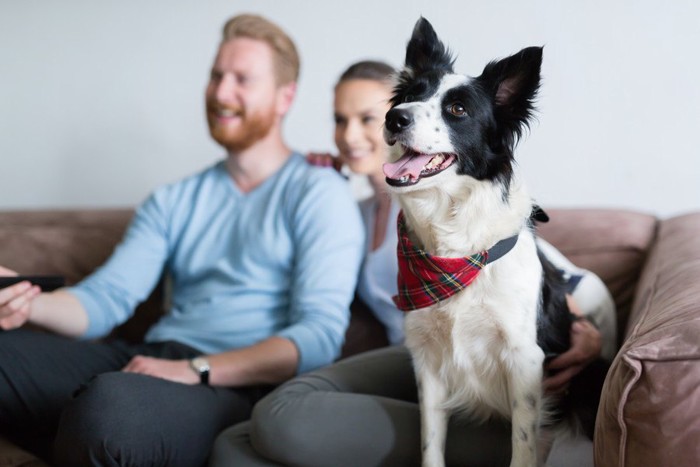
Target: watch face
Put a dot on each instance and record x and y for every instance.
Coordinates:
(200, 364)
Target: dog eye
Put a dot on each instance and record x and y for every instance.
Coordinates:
(457, 109)
(408, 98)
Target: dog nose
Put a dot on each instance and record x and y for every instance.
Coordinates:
(397, 120)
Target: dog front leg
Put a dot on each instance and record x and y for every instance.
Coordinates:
(526, 404)
(432, 394)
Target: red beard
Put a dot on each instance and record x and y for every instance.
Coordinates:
(251, 129)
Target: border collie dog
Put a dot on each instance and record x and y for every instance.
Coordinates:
(485, 306)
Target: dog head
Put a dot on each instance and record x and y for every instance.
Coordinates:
(446, 124)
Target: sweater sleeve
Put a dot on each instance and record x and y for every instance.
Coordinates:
(329, 241)
(112, 292)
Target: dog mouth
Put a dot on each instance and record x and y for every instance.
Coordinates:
(413, 166)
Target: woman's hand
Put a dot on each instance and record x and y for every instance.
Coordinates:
(586, 344)
(15, 301)
(324, 159)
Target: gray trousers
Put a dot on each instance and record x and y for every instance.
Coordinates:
(67, 401)
(361, 411)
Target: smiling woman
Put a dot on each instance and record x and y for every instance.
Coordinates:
(360, 106)
(361, 102)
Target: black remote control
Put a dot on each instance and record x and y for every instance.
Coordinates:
(47, 283)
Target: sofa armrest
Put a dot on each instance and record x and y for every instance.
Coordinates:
(649, 408)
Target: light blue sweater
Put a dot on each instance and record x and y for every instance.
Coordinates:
(281, 260)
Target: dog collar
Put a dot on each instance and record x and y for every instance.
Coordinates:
(425, 279)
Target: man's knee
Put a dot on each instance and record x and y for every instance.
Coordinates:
(105, 424)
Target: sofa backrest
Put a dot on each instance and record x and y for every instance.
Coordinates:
(72, 243)
(68, 242)
(612, 243)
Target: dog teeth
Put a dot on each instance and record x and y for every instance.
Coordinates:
(403, 179)
(435, 161)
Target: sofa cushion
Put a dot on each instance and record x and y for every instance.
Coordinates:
(649, 410)
(611, 243)
(71, 243)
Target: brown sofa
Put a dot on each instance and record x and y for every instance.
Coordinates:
(651, 399)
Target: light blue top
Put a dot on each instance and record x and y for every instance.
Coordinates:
(377, 284)
(281, 260)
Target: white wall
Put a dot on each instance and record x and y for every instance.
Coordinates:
(100, 101)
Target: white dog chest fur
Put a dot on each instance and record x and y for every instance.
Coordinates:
(472, 340)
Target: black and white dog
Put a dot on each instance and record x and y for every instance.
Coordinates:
(478, 336)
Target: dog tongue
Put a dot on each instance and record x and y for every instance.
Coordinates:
(411, 164)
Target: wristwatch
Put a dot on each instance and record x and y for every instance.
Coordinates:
(200, 365)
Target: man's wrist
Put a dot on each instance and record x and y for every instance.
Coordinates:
(200, 365)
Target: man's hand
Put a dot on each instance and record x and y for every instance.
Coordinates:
(15, 301)
(586, 344)
(178, 371)
(271, 361)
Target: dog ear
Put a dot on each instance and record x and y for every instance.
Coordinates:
(512, 84)
(425, 52)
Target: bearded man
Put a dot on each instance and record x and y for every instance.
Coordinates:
(262, 251)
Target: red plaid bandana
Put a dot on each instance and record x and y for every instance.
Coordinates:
(425, 279)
